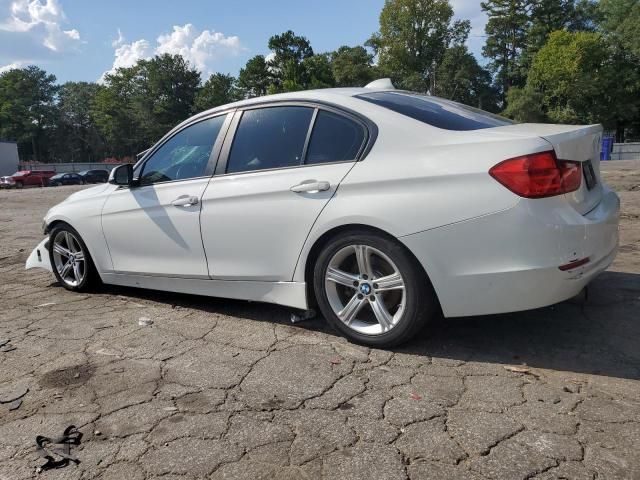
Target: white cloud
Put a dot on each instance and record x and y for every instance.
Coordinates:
(11, 66)
(128, 54)
(118, 41)
(200, 48)
(43, 23)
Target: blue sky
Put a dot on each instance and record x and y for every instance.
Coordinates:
(83, 39)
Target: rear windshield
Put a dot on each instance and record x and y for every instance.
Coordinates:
(435, 111)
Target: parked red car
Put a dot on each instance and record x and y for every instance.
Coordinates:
(25, 178)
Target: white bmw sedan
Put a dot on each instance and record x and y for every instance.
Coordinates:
(380, 207)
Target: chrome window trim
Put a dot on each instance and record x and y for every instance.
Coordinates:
(370, 129)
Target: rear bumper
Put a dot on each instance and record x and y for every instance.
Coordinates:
(508, 261)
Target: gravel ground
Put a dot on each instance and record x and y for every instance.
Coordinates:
(226, 389)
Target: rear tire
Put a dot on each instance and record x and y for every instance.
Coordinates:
(372, 290)
(70, 260)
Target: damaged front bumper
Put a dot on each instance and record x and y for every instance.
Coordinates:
(39, 258)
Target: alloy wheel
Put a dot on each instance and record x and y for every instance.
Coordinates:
(69, 258)
(365, 289)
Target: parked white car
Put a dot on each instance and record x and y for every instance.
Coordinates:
(380, 207)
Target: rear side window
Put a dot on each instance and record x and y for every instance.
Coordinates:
(435, 111)
(334, 139)
(271, 137)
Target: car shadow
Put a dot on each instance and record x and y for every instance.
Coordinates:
(597, 334)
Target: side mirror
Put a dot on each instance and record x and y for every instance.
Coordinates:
(122, 175)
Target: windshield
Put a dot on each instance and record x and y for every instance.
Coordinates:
(55, 177)
(20, 173)
(435, 111)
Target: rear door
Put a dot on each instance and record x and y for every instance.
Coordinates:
(278, 170)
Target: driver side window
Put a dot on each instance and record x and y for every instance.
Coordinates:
(185, 155)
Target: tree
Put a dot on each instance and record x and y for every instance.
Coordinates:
(506, 31)
(621, 23)
(76, 133)
(319, 72)
(413, 37)
(548, 16)
(575, 79)
(525, 105)
(28, 110)
(113, 111)
(352, 66)
(462, 79)
(254, 78)
(140, 104)
(218, 90)
(166, 89)
(289, 51)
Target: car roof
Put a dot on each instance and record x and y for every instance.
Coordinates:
(324, 94)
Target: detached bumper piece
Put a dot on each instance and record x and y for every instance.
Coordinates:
(39, 258)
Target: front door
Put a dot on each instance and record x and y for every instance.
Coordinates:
(154, 228)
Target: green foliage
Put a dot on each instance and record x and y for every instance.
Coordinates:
(621, 23)
(572, 61)
(577, 78)
(289, 53)
(77, 136)
(27, 110)
(318, 71)
(459, 77)
(413, 38)
(219, 89)
(254, 78)
(525, 105)
(138, 105)
(506, 32)
(571, 73)
(517, 29)
(352, 66)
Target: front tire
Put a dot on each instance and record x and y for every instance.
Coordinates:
(70, 259)
(372, 290)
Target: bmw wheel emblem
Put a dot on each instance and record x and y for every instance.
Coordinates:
(365, 289)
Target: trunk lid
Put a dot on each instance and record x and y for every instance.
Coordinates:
(571, 142)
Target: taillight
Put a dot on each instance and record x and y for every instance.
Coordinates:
(538, 175)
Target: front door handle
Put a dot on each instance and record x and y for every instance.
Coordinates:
(311, 186)
(185, 201)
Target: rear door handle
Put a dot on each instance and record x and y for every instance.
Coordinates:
(311, 186)
(185, 201)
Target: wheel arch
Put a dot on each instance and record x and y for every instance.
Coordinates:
(326, 237)
(60, 221)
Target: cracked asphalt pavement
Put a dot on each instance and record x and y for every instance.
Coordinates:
(224, 389)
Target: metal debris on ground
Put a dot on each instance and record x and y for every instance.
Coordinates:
(5, 345)
(521, 369)
(58, 457)
(48, 304)
(145, 321)
(517, 369)
(301, 316)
